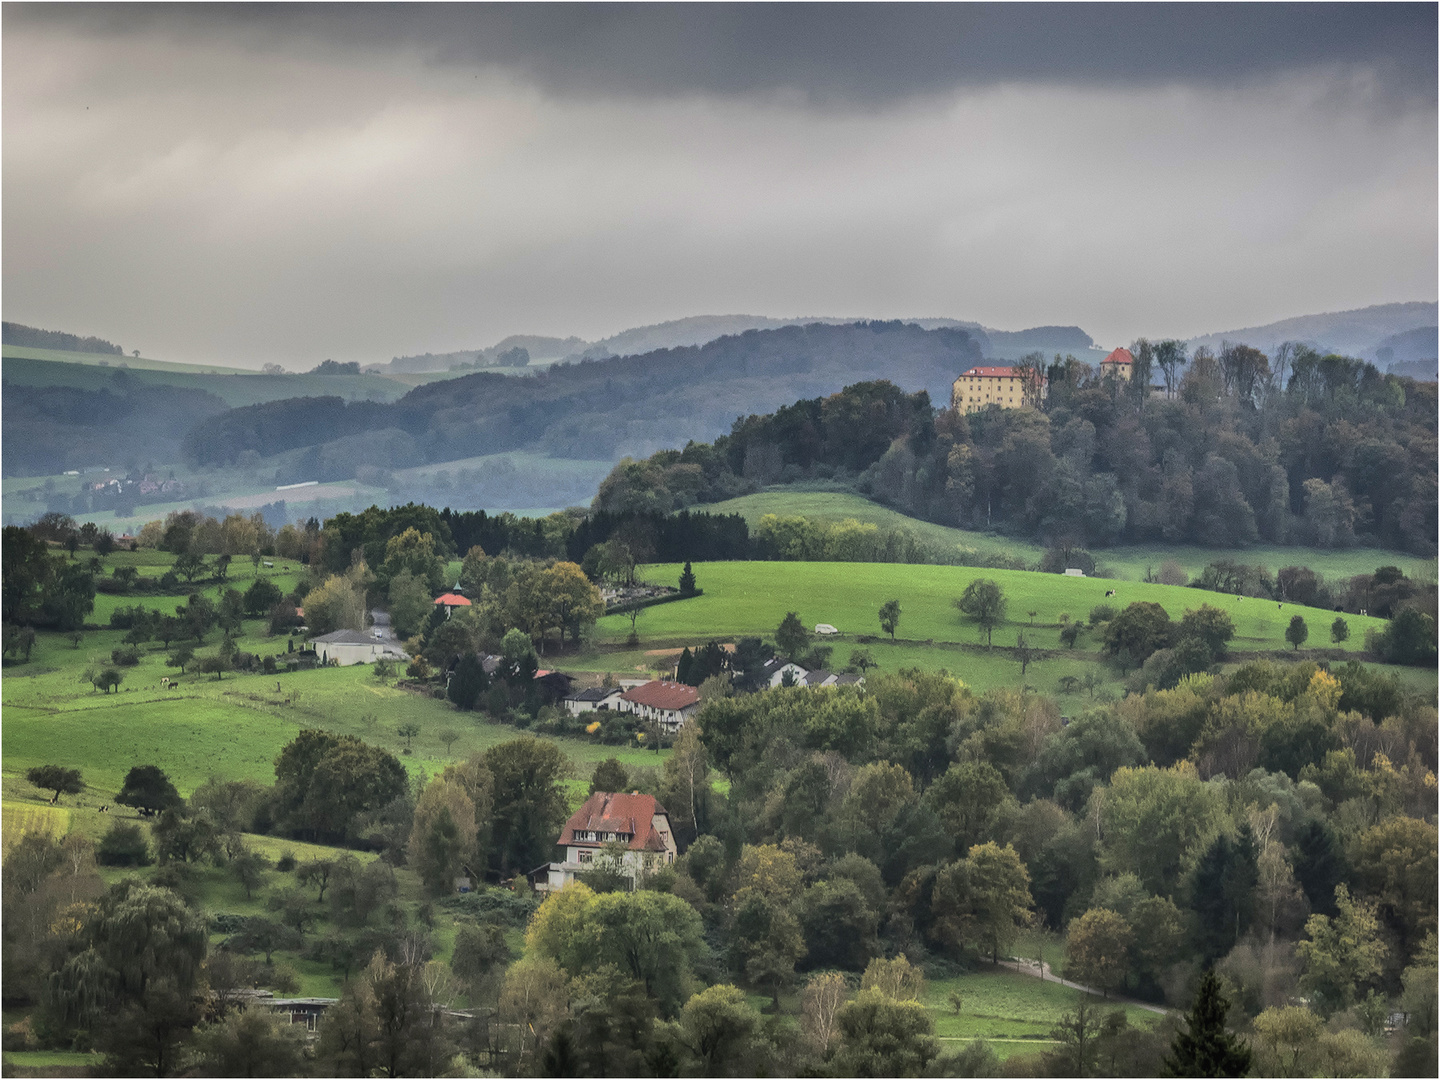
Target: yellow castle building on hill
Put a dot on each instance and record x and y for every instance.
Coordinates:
(983, 386)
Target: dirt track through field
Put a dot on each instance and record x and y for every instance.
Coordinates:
(1043, 972)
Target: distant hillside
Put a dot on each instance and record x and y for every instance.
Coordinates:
(699, 329)
(538, 347)
(1419, 346)
(119, 419)
(1355, 333)
(695, 330)
(596, 410)
(702, 329)
(35, 338)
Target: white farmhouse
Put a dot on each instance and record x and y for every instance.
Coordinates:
(636, 821)
(347, 647)
(597, 698)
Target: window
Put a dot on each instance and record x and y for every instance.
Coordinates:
(583, 856)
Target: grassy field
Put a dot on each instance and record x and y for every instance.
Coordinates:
(752, 597)
(1128, 562)
(1014, 1013)
(134, 363)
(233, 727)
(18, 819)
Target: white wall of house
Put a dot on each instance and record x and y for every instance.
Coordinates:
(345, 654)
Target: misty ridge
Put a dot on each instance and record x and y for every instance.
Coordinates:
(594, 410)
(701, 329)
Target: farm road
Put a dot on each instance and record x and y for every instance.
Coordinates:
(1038, 971)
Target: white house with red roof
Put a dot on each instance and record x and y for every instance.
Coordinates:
(635, 825)
(986, 385)
(668, 703)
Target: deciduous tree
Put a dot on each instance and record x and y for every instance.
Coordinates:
(890, 617)
(984, 601)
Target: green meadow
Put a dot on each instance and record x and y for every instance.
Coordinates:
(750, 598)
(1014, 1013)
(233, 727)
(1127, 563)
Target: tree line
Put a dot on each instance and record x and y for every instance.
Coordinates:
(34, 338)
(1239, 448)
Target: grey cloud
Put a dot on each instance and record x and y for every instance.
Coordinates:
(838, 55)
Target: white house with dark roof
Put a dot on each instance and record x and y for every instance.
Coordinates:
(775, 670)
(346, 647)
(596, 698)
(636, 822)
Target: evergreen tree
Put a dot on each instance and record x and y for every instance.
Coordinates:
(468, 681)
(791, 637)
(1206, 1048)
(683, 666)
(1223, 892)
(687, 580)
(1319, 864)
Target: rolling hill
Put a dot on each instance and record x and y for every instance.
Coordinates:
(1359, 333)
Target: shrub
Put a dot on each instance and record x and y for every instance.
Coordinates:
(286, 863)
(1101, 613)
(494, 905)
(123, 845)
(125, 656)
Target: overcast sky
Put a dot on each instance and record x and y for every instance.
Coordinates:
(274, 183)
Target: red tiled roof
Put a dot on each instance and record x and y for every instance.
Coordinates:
(662, 695)
(1119, 356)
(607, 812)
(1001, 371)
(450, 599)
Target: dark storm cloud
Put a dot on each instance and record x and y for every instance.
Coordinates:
(251, 183)
(836, 55)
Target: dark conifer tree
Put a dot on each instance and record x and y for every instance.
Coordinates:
(1223, 892)
(1205, 1048)
(1319, 865)
(687, 580)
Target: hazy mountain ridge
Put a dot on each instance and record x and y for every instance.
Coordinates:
(697, 330)
(598, 409)
(1359, 333)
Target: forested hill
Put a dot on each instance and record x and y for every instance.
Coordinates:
(1316, 450)
(599, 409)
(35, 338)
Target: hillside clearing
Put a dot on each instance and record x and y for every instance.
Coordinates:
(1129, 563)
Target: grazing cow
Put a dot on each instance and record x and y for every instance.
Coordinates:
(104, 808)
(54, 798)
(1110, 593)
(165, 682)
